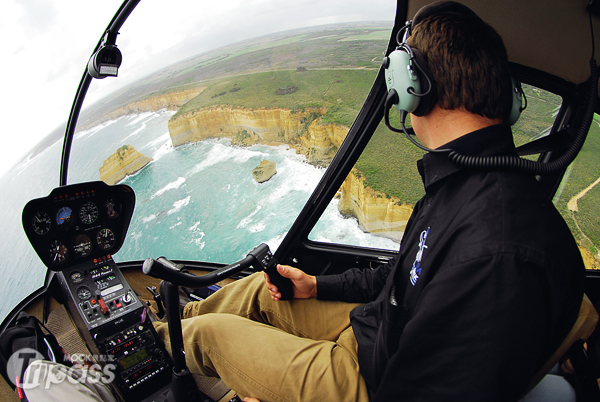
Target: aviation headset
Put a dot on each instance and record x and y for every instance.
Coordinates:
(411, 90)
(408, 74)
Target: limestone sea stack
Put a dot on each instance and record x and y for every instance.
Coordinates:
(264, 171)
(124, 162)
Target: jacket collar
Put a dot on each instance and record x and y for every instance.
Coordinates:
(492, 140)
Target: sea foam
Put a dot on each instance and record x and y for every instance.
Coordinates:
(171, 186)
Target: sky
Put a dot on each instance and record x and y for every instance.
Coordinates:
(46, 45)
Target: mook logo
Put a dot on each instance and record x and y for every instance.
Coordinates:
(27, 369)
(416, 269)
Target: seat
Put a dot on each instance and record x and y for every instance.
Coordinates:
(581, 330)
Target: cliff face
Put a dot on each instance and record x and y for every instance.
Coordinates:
(376, 213)
(170, 101)
(301, 129)
(250, 126)
(322, 142)
(125, 161)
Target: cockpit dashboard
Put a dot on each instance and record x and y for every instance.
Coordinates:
(78, 223)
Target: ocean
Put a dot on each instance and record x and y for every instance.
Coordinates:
(197, 201)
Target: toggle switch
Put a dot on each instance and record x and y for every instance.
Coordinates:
(103, 306)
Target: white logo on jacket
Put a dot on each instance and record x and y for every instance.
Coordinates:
(416, 269)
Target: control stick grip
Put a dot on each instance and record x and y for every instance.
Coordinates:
(265, 261)
(284, 285)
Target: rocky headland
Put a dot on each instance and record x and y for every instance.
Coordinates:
(125, 161)
(169, 101)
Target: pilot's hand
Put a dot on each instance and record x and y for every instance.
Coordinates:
(304, 285)
(251, 400)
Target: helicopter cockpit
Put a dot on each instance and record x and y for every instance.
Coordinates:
(293, 141)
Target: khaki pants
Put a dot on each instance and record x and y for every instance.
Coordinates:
(297, 350)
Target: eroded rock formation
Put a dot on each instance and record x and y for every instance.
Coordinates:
(264, 171)
(376, 213)
(125, 161)
(300, 129)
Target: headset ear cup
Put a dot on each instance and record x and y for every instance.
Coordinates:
(428, 101)
(402, 77)
(517, 101)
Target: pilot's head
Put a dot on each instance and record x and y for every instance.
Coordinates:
(466, 57)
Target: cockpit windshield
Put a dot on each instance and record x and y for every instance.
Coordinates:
(224, 135)
(223, 149)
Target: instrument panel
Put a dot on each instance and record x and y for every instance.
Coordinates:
(75, 230)
(78, 223)
(115, 325)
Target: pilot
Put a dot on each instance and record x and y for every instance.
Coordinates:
(487, 282)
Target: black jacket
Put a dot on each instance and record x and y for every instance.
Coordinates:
(487, 283)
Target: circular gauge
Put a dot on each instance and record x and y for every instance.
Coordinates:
(63, 216)
(82, 245)
(76, 277)
(58, 252)
(84, 293)
(113, 209)
(88, 213)
(41, 223)
(106, 239)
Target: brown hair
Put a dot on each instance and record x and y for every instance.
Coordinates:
(467, 60)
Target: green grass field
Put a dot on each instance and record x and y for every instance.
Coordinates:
(342, 92)
(583, 171)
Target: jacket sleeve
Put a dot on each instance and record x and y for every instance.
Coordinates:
(354, 285)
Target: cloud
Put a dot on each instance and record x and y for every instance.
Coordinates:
(37, 16)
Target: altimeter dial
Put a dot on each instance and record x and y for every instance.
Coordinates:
(88, 213)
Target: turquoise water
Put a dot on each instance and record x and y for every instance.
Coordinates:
(197, 201)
